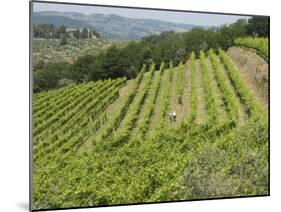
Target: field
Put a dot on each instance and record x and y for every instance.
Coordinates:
(258, 44)
(50, 50)
(112, 142)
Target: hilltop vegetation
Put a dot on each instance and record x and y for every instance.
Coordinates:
(169, 46)
(111, 142)
(51, 51)
(62, 44)
(118, 27)
(50, 31)
(259, 44)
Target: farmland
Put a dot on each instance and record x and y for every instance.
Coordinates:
(50, 50)
(258, 44)
(111, 141)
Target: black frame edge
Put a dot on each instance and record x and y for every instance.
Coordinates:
(30, 107)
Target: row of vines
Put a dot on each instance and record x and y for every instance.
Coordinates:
(134, 155)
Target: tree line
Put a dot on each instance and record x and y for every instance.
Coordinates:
(165, 47)
(50, 31)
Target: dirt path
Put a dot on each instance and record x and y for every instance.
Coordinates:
(186, 91)
(242, 116)
(254, 70)
(174, 102)
(113, 108)
(131, 109)
(201, 110)
(148, 97)
(216, 92)
(159, 101)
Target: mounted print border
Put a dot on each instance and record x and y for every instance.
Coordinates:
(133, 105)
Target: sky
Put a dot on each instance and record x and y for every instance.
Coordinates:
(202, 19)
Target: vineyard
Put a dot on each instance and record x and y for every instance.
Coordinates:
(112, 142)
(258, 44)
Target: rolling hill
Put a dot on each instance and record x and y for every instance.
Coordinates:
(58, 20)
(110, 26)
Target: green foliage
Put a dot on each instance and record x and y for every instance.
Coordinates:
(231, 106)
(170, 166)
(208, 160)
(51, 31)
(253, 108)
(66, 119)
(118, 117)
(208, 92)
(48, 31)
(259, 44)
(180, 83)
(193, 101)
(84, 33)
(166, 96)
(258, 26)
(50, 50)
(114, 62)
(144, 125)
(49, 76)
(81, 67)
(63, 41)
(123, 133)
(222, 166)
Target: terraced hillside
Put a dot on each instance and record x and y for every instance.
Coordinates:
(112, 142)
(254, 70)
(259, 45)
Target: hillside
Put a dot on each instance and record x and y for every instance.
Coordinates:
(254, 69)
(50, 50)
(110, 26)
(110, 142)
(58, 20)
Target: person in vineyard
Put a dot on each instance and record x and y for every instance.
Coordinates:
(171, 117)
(174, 116)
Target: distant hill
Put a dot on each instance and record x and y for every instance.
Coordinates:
(110, 26)
(59, 20)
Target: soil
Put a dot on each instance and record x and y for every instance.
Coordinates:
(254, 70)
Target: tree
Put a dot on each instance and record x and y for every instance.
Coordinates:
(127, 61)
(239, 28)
(76, 33)
(116, 62)
(90, 34)
(84, 33)
(62, 30)
(63, 41)
(96, 34)
(258, 26)
(49, 76)
(49, 31)
(82, 67)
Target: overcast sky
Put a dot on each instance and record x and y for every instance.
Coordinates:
(177, 17)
